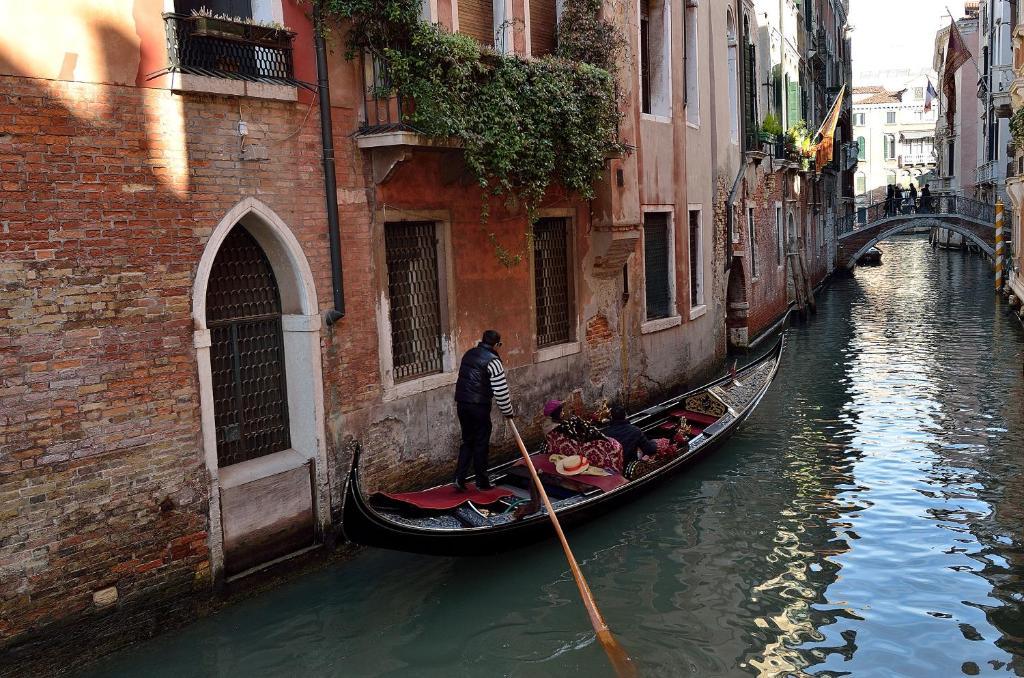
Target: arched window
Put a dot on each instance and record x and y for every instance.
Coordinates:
(691, 72)
(243, 314)
(734, 110)
(862, 148)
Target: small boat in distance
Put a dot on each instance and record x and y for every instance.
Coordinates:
(443, 521)
(873, 257)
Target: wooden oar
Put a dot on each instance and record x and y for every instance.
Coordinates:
(616, 654)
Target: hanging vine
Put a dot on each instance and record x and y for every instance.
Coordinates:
(524, 124)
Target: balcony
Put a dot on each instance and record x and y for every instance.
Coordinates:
(985, 174)
(917, 160)
(220, 56)
(1002, 83)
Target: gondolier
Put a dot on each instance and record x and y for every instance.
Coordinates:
(481, 380)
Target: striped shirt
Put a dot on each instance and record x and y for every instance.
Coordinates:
(499, 386)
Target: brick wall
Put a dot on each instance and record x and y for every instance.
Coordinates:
(109, 195)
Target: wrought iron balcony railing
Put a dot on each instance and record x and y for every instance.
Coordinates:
(228, 49)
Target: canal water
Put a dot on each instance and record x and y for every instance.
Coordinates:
(866, 521)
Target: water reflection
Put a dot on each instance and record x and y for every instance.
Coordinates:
(867, 521)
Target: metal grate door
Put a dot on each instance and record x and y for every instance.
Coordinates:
(551, 282)
(656, 270)
(243, 312)
(413, 289)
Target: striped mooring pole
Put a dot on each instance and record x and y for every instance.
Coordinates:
(1000, 247)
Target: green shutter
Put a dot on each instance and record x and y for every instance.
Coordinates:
(793, 104)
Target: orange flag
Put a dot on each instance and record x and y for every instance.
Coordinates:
(827, 131)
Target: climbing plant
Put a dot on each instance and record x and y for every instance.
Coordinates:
(524, 124)
(1017, 127)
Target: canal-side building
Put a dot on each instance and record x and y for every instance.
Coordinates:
(187, 370)
(794, 60)
(995, 27)
(1015, 180)
(956, 147)
(894, 135)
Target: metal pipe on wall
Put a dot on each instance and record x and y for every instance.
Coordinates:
(330, 180)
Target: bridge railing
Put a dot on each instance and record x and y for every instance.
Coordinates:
(936, 204)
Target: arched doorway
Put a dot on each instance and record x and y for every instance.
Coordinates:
(737, 306)
(243, 313)
(257, 339)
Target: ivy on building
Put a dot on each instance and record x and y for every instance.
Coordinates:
(1017, 127)
(524, 124)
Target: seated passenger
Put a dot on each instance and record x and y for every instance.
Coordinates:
(631, 438)
(573, 435)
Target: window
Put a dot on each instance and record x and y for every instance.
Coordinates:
(750, 85)
(858, 119)
(654, 58)
(237, 8)
(657, 265)
(861, 183)
(919, 93)
(476, 19)
(890, 117)
(552, 282)
(779, 242)
(889, 146)
(243, 313)
(415, 297)
(951, 158)
(691, 72)
(543, 23)
(752, 244)
(696, 260)
(734, 106)
(862, 148)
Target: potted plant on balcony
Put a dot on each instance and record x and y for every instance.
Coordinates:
(264, 34)
(771, 129)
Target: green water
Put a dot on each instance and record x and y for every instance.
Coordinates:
(866, 521)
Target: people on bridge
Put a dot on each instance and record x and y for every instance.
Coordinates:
(890, 200)
(926, 199)
(913, 198)
(481, 379)
(897, 199)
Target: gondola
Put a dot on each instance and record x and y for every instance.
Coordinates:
(475, 528)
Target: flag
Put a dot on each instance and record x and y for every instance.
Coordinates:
(929, 96)
(957, 55)
(827, 131)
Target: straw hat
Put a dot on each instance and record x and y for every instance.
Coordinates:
(572, 465)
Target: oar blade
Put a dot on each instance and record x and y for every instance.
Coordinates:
(623, 665)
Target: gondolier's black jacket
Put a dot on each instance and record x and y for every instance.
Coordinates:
(482, 377)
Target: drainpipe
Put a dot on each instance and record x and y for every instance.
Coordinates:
(330, 181)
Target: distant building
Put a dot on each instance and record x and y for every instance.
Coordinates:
(895, 137)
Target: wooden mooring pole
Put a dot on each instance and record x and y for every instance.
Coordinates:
(1000, 246)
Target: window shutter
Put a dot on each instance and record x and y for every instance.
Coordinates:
(542, 27)
(793, 105)
(476, 19)
(750, 88)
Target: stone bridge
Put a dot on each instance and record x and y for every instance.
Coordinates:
(869, 226)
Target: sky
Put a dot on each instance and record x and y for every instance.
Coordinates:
(896, 34)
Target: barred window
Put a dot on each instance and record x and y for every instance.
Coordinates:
(752, 244)
(552, 282)
(657, 242)
(696, 260)
(414, 293)
(243, 312)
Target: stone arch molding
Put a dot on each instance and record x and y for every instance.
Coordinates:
(954, 225)
(301, 327)
(294, 276)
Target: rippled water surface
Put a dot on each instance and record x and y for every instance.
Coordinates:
(867, 520)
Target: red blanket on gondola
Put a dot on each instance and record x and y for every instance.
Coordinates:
(447, 497)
